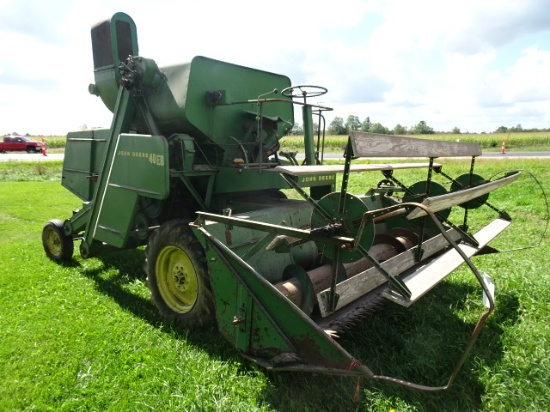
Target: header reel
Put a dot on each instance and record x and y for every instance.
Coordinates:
(369, 247)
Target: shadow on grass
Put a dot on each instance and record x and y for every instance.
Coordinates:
(421, 344)
(118, 270)
(127, 267)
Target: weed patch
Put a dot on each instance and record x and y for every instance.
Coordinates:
(13, 171)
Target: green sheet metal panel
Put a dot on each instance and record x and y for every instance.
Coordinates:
(139, 168)
(112, 42)
(240, 240)
(268, 323)
(84, 155)
(181, 105)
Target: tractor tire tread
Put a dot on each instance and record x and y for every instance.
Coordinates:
(177, 232)
(66, 242)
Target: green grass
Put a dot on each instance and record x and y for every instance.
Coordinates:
(30, 171)
(85, 336)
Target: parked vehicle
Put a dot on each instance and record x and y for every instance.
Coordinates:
(20, 144)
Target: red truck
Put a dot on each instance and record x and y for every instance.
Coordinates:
(19, 144)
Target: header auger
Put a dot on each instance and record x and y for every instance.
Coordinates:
(191, 168)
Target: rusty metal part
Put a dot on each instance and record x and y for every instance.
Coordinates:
(384, 248)
(345, 318)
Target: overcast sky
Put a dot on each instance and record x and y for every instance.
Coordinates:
(473, 64)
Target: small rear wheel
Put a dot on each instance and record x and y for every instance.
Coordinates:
(57, 245)
(177, 275)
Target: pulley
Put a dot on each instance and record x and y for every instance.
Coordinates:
(417, 193)
(467, 181)
(345, 222)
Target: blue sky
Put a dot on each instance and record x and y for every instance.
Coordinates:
(475, 65)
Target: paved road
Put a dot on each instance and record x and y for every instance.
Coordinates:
(517, 154)
(34, 157)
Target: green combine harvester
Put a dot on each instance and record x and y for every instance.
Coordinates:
(191, 167)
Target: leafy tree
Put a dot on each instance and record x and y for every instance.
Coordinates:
(297, 130)
(352, 123)
(455, 130)
(398, 129)
(365, 126)
(422, 128)
(378, 128)
(501, 129)
(336, 127)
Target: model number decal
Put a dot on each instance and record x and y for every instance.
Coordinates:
(320, 178)
(154, 159)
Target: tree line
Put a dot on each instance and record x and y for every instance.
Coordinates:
(340, 127)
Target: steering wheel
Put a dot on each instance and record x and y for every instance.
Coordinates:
(304, 91)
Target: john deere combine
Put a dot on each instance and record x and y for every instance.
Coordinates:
(191, 168)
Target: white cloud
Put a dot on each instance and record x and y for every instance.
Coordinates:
(528, 80)
(475, 65)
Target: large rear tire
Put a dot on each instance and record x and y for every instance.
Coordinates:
(177, 275)
(57, 245)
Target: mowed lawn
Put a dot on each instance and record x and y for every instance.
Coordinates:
(85, 336)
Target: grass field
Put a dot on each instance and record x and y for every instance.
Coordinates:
(52, 142)
(85, 336)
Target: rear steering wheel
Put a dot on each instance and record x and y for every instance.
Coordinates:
(303, 91)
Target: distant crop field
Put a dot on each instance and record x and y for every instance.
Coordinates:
(85, 336)
(536, 141)
(52, 142)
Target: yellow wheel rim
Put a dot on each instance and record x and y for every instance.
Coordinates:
(52, 239)
(176, 279)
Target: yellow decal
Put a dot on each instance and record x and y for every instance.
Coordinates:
(154, 159)
(318, 178)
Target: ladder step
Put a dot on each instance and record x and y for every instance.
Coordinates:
(422, 278)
